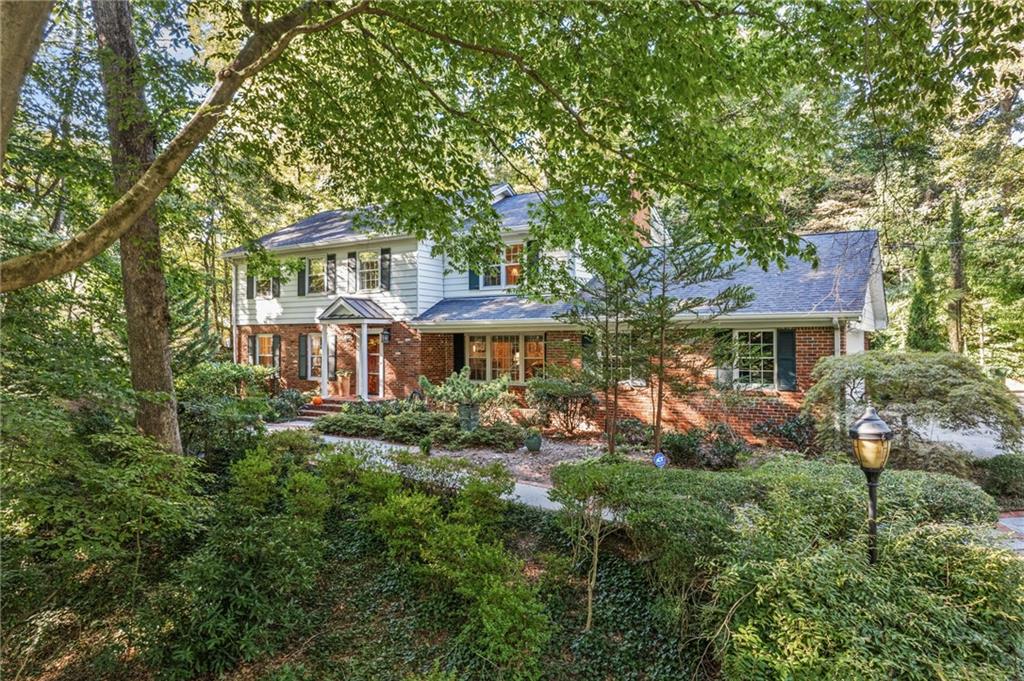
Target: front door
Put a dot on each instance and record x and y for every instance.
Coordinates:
(374, 366)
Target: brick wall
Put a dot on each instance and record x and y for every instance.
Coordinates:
(753, 407)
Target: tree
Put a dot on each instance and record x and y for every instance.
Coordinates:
(922, 326)
(683, 284)
(957, 280)
(549, 84)
(132, 145)
(911, 390)
(21, 31)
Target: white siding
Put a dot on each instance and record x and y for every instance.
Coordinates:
(430, 277)
(456, 283)
(290, 308)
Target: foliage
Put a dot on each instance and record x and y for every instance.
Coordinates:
(382, 408)
(568, 403)
(411, 427)
(936, 457)
(219, 432)
(797, 432)
(458, 389)
(284, 406)
(909, 389)
(633, 433)
(353, 424)
(241, 593)
(1003, 476)
(939, 602)
(214, 380)
(714, 448)
(682, 448)
(923, 331)
(500, 436)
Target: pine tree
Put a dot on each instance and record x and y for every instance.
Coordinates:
(923, 332)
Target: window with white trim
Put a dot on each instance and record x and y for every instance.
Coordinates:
(518, 356)
(755, 359)
(264, 288)
(476, 357)
(507, 271)
(369, 270)
(316, 274)
(265, 350)
(315, 355)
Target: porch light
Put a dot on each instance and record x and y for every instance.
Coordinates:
(385, 336)
(872, 439)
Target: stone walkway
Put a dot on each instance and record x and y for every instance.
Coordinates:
(1013, 525)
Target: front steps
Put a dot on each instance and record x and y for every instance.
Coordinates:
(330, 405)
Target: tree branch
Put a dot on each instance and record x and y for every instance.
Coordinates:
(259, 50)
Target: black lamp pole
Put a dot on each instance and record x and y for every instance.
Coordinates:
(872, 438)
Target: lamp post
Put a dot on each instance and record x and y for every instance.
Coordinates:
(872, 439)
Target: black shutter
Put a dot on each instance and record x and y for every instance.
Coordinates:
(458, 351)
(352, 283)
(785, 358)
(332, 274)
(252, 349)
(275, 287)
(474, 281)
(332, 356)
(385, 269)
(303, 356)
(532, 254)
(302, 278)
(277, 353)
(250, 287)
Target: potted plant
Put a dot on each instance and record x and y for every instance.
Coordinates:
(344, 382)
(467, 396)
(533, 440)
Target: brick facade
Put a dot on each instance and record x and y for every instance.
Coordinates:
(410, 354)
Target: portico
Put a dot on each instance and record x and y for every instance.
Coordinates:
(370, 323)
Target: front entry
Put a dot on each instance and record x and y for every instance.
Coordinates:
(374, 366)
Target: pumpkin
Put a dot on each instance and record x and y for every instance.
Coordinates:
(317, 400)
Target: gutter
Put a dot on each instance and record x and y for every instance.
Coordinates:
(547, 322)
(359, 238)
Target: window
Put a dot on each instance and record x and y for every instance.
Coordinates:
(508, 271)
(505, 357)
(369, 270)
(316, 355)
(497, 355)
(316, 275)
(513, 266)
(265, 350)
(477, 357)
(264, 288)
(533, 361)
(755, 359)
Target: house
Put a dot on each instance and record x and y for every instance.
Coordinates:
(369, 313)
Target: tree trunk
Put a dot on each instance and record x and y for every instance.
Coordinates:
(21, 32)
(133, 148)
(956, 278)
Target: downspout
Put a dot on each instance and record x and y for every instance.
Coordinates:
(234, 313)
(837, 338)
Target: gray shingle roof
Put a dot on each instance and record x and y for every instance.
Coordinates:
(839, 284)
(489, 308)
(353, 308)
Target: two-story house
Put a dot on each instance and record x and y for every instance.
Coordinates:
(369, 313)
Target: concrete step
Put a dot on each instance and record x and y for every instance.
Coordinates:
(314, 413)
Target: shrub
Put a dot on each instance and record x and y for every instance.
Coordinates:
(219, 432)
(350, 424)
(1003, 476)
(796, 433)
(459, 389)
(566, 404)
(406, 520)
(633, 433)
(216, 380)
(241, 594)
(285, 405)
(939, 604)
(502, 436)
(683, 448)
(721, 447)
(382, 408)
(412, 426)
(935, 457)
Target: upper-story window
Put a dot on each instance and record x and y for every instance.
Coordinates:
(264, 288)
(369, 270)
(508, 271)
(316, 275)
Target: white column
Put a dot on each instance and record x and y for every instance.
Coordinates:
(324, 349)
(364, 376)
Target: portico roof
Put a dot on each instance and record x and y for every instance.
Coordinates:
(355, 309)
